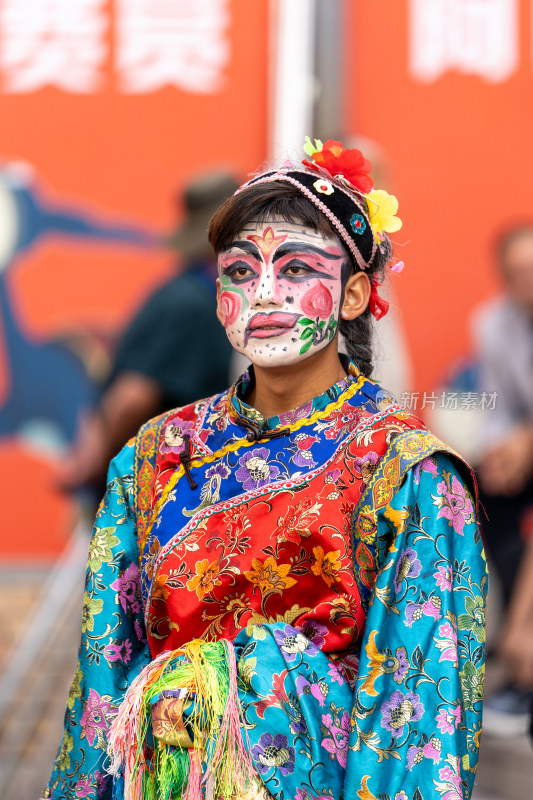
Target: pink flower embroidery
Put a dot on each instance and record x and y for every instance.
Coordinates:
(454, 503)
(448, 719)
(449, 786)
(83, 787)
(448, 643)
(118, 651)
(96, 718)
(444, 578)
(337, 745)
(126, 586)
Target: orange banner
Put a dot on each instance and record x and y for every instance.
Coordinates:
(443, 87)
(108, 109)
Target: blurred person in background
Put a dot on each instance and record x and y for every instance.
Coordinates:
(273, 605)
(503, 336)
(172, 351)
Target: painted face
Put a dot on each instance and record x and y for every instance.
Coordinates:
(280, 292)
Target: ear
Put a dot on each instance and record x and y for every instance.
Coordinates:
(220, 314)
(356, 296)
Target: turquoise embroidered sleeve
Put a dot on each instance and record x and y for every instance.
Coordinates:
(418, 699)
(113, 645)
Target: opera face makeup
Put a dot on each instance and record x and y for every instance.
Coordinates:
(280, 292)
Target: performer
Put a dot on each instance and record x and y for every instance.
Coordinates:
(286, 584)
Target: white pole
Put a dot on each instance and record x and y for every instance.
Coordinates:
(292, 81)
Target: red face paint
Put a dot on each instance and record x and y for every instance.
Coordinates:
(317, 302)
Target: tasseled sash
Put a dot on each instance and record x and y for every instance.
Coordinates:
(217, 758)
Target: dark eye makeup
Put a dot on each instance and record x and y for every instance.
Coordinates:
(240, 272)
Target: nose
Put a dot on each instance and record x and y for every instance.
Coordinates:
(268, 291)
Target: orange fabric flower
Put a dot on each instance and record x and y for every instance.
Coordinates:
(205, 579)
(326, 564)
(270, 576)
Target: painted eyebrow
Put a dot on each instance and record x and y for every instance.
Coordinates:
(286, 249)
(248, 247)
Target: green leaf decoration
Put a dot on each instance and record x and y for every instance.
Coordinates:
(305, 348)
(307, 333)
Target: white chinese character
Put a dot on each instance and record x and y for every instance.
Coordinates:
(180, 43)
(52, 43)
(409, 399)
(448, 400)
(488, 401)
(429, 399)
(476, 37)
(469, 400)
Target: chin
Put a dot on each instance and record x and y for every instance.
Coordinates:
(275, 357)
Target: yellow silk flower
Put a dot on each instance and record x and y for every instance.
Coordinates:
(382, 207)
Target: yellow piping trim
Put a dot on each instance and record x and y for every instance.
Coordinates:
(198, 462)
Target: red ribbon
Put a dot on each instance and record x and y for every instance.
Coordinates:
(377, 305)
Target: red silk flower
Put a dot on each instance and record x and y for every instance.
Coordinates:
(350, 163)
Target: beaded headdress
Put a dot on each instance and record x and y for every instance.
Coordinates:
(337, 182)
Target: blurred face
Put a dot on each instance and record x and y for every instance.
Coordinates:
(280, 292)
(517, 270)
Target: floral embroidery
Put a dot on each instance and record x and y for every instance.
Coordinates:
(358, 223)
(206, 578)
(96, 717)
(409, 566)
(326, 564)
(416, 754)
(366, 465)
(292, 558)
(293, 642)
(454, 503)
(323, 186)
(273, 751)
(270, 576)
(474, 618)
(400, 711)
(443, 578)
(336, 743)
(429, 608)
(219, 470)
(118, 651)
(449, 785)
(174, 436)
(448, 643)
(126, 587)
(448, 719)
(297, 521)
(255, 471)
(100, 548)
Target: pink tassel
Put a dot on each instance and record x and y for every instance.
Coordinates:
(127, 732)
(239, 771)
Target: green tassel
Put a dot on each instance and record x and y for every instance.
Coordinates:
(172, 770)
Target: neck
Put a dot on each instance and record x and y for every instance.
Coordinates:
(281, 389)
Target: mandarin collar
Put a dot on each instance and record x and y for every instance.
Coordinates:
(239, 410)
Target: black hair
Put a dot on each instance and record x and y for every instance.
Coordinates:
(278, 199)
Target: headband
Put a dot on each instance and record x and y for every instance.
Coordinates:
(337, 182)
(338, 205)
